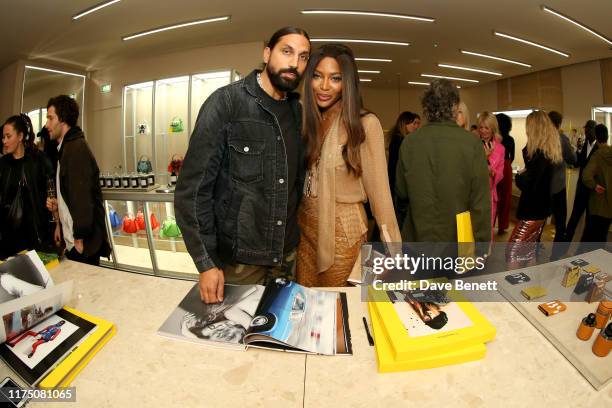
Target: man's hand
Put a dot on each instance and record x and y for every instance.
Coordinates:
(599, 189)
(211, 285)
(52, 204)
(78, 244)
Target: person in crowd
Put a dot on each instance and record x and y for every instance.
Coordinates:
(407, 123)
(78, 204)
(442, 171)
(542, 154)
(581, 198)
(345, 158)
(495, 153)
(504, 188)
(24, 173)
(240, 184)
(559, 193)
(49, 147)
(597, 177)
(463, 116)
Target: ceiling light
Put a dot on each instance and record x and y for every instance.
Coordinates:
(531, 43)
(55, 71)
(418, 83)
(477, 54)
(95, 8)
(449, 77)
(365, 80)
(566, 18)
(367, 71)
(520, 113)
(373, 59)
(369, 13)
(172, 27)
(470, 69)
(349, 40)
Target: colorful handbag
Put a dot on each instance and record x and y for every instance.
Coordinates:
(169, 229)
(114, 218)
(153, 222)
(144, 165)
(176, 162)
(129, 225)
(140, 221)
(176, 125)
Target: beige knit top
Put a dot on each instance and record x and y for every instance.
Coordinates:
(332, 183)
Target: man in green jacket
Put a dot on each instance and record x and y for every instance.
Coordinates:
(597, 176)
(442, 171)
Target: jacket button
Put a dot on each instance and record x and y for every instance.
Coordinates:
(278, 137)
(246, 148)
(279, 222)
(275, 260)
(281, 181)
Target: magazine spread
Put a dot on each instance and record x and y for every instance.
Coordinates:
(283, 315)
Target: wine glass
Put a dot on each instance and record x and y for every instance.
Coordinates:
(51, 193)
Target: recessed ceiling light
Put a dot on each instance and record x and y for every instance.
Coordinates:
(55, 71)
(510, 37)
(449, 77)
(94, 8)
(566, 18)
(373, 59)
(470, 69)
(370, 13)
(367, 71)
(350, 40)
(520, 113)
(172, 27)
(365, 80)
(478, 54)
(418, 83)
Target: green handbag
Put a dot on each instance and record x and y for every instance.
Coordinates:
(176, 125)
(169, 229)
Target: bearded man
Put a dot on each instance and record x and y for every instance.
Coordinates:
(240, 185)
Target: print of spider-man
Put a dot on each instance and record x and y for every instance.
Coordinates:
(47, 334)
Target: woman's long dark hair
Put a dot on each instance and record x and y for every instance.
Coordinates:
(405, 118)
(22, 124)
(351, 112)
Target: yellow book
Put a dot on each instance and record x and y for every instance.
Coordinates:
(465, 233)
(387, 362)
(459, 325)
(63, 374)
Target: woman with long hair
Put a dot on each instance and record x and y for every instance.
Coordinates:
(345, 158)
(406, 123)
(463, 116)
(24, 172)
(542, 153)
(488, 130)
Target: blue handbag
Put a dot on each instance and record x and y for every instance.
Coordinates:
(144, 165)
(113, 217)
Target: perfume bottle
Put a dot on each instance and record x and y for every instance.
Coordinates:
(586, 328)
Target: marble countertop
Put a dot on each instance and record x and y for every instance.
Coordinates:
(139, 368)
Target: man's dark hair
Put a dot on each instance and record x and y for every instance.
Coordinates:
(504, 122)
(66, 109)
(601, 133)
(473, 127)
(556, 118)
(439, 101)
(283, 32)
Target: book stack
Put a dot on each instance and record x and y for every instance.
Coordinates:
(415, 330)
(44, 341)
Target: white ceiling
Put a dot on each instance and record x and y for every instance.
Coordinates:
(44, 31)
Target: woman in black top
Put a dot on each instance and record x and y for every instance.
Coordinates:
(407, 122)
(24, 172)
(542, 152)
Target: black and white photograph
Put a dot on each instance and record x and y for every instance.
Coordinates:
(224, 323)
(21, 276)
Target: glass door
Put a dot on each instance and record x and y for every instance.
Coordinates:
(137, 124)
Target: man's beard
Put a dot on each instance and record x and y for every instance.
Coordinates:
(283, 84)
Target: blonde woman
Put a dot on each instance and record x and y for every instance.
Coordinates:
(542, 153)
(463, 116)
(488, 130)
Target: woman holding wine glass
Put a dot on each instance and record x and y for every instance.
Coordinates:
(24, 183)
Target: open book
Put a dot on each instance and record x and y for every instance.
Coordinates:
(282, 316)
(42, 340)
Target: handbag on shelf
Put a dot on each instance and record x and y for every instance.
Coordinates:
(176, 125)
(144, 165)
(114, 218)
(153, 222)
(140, 221)
(176, 162)
(129, 225)
(169, 229)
